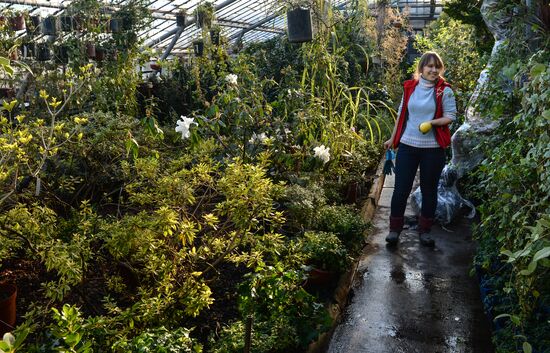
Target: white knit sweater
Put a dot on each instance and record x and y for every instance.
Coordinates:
(421, 108)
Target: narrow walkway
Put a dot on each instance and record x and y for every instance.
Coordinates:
(414, 299)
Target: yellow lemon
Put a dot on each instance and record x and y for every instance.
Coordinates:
(425, 127)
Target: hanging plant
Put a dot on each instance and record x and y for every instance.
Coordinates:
(49, 26)
(299, 25)
(181, 18)
(66, 23)
(43, 52)
(215, 32)
(204, 14)
(33, 24)
(198, 47)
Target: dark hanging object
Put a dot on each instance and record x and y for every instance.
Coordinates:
(180, 20)
(28, 50)
(215, 36)
(62, 54)
(299, 25)
(115, 25)
(198, 47)
(49, 26)
(33, 26)
(18, 22)
(43, 52)
(66, 23)
(90, 50)
(99, 54)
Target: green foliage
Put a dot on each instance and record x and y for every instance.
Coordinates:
(513, 184)
(162, 340)
(345, 223)
(324, 250)
(456, 43)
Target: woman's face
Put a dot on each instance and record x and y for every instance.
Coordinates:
(430, 71)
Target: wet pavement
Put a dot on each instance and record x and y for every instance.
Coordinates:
(411, 298)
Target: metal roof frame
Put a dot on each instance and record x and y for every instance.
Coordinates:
(241, 20)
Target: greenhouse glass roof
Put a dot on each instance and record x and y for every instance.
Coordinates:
(245, 20)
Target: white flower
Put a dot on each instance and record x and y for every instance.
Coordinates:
(323, 153)
(183, 126)
(9, 339)
(231, 79)
(258, 138)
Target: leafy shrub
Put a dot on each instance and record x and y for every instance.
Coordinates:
(346, 223)
(162, 340)
(324, 250)
(302, 204)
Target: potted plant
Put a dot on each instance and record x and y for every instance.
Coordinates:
(299, 25)
(181, 18)
(49, 26)
(115, 25)
(62, 54)
(100, 53)
(8, 295)
(326, 256)
(215, 34)
(43, 52)
(33, 24)
(204, 14)
(90, 50)
(66, 23)
(17, 21)
(198, 47)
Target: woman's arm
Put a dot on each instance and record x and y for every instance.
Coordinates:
(388, 144)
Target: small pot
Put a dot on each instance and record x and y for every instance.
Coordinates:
(33, 26)
(155, 66)
(28, 50)
(299, 25)
(43, 52)
(62, 54)
(66, 23)
(18, 23)
(14, 54)
(115, 25)
(318, 277)
(180, 20)
(8, 295)
(49, 26)
(90, 50)
(99, 54)
(198, 47)
(215, 36)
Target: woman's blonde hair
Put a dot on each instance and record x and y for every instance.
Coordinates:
(425, 60)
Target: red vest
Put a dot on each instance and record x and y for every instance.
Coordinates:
(442, 133)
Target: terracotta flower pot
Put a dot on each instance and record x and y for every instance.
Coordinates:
(90, 50)
(8, 294)
(318, 277)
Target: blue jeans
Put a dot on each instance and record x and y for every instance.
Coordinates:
(431, 162)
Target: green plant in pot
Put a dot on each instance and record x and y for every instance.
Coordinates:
(326, 255)
(181, 18)
(198, 47)
(204, 14)
(215, 32)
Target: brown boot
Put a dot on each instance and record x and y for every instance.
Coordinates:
(396, 226)
(424, 228)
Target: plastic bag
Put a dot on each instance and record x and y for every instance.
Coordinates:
(449, 200)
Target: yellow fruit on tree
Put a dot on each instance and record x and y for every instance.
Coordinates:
(425, 127)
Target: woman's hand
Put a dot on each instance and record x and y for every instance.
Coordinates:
(388, 144)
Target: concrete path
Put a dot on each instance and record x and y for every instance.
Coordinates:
(411, 298)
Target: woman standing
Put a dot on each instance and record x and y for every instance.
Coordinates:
(422, 133)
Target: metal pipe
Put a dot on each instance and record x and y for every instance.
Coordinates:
(171, 45)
